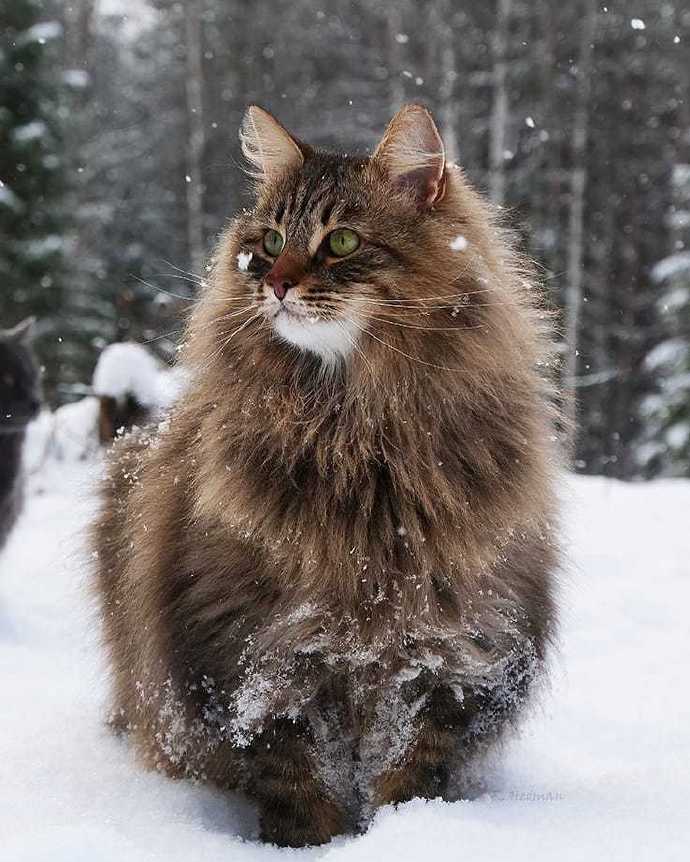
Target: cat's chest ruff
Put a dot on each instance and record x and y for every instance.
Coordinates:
(332, 340)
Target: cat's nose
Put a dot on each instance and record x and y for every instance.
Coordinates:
(286, 273)
(280, 284)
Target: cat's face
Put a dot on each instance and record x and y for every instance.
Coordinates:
(331, 238)
(20, 397)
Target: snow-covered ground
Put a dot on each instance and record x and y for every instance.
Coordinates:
(601, 770)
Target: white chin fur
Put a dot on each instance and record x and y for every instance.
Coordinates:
(331, 340)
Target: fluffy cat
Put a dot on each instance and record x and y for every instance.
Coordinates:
(20, 402)
(328, 580)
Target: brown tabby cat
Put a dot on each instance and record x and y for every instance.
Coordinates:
(328, 581)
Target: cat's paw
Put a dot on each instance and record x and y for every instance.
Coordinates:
(292, 825)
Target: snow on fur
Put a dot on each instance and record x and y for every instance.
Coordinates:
(599, 771)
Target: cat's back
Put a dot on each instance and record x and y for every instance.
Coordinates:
(133, 470)
(147, 477)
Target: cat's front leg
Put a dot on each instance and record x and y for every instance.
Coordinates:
(425, 770)
(296, 809)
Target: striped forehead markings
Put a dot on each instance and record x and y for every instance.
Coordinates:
(308, 211)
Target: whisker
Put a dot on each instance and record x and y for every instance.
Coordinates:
(183, 271)
(227, 341)
(409, 356)
(427, 328)
(421, 303)
(190, 299)
(201, 282)
(353, 342)
(426, 309)
(162, 290)
(232, 314)
(164, 335)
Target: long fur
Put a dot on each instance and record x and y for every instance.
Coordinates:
(333, 587)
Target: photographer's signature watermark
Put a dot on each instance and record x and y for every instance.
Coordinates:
(525, 796)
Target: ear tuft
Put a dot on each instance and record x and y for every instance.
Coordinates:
(411, 153)
(268, 147)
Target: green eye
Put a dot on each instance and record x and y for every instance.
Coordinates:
(273, 242)
(343, 241)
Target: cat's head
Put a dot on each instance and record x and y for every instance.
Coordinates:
(20, 394)
(332, 237)
(350, 259)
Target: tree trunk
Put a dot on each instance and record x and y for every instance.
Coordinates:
(499, 113)
(196, 137)
(448, 101)
(79, 18)
(395, 49)
(575, 259)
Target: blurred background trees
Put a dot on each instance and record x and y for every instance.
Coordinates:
(573, 116)
(32, 174)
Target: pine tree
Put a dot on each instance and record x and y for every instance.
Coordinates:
(665, 445)
(31, 181)
(126, 190)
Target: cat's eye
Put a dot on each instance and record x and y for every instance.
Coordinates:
(343, 241)
(273, 243)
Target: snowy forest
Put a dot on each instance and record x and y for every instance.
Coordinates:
(119, 164)
(311, 601)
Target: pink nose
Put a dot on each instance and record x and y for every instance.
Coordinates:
(280, 286)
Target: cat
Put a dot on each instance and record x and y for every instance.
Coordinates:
(329, 579)
(20, 401)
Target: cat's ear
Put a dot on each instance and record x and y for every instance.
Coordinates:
(23, 332)
(268, 147)
(411, 153)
